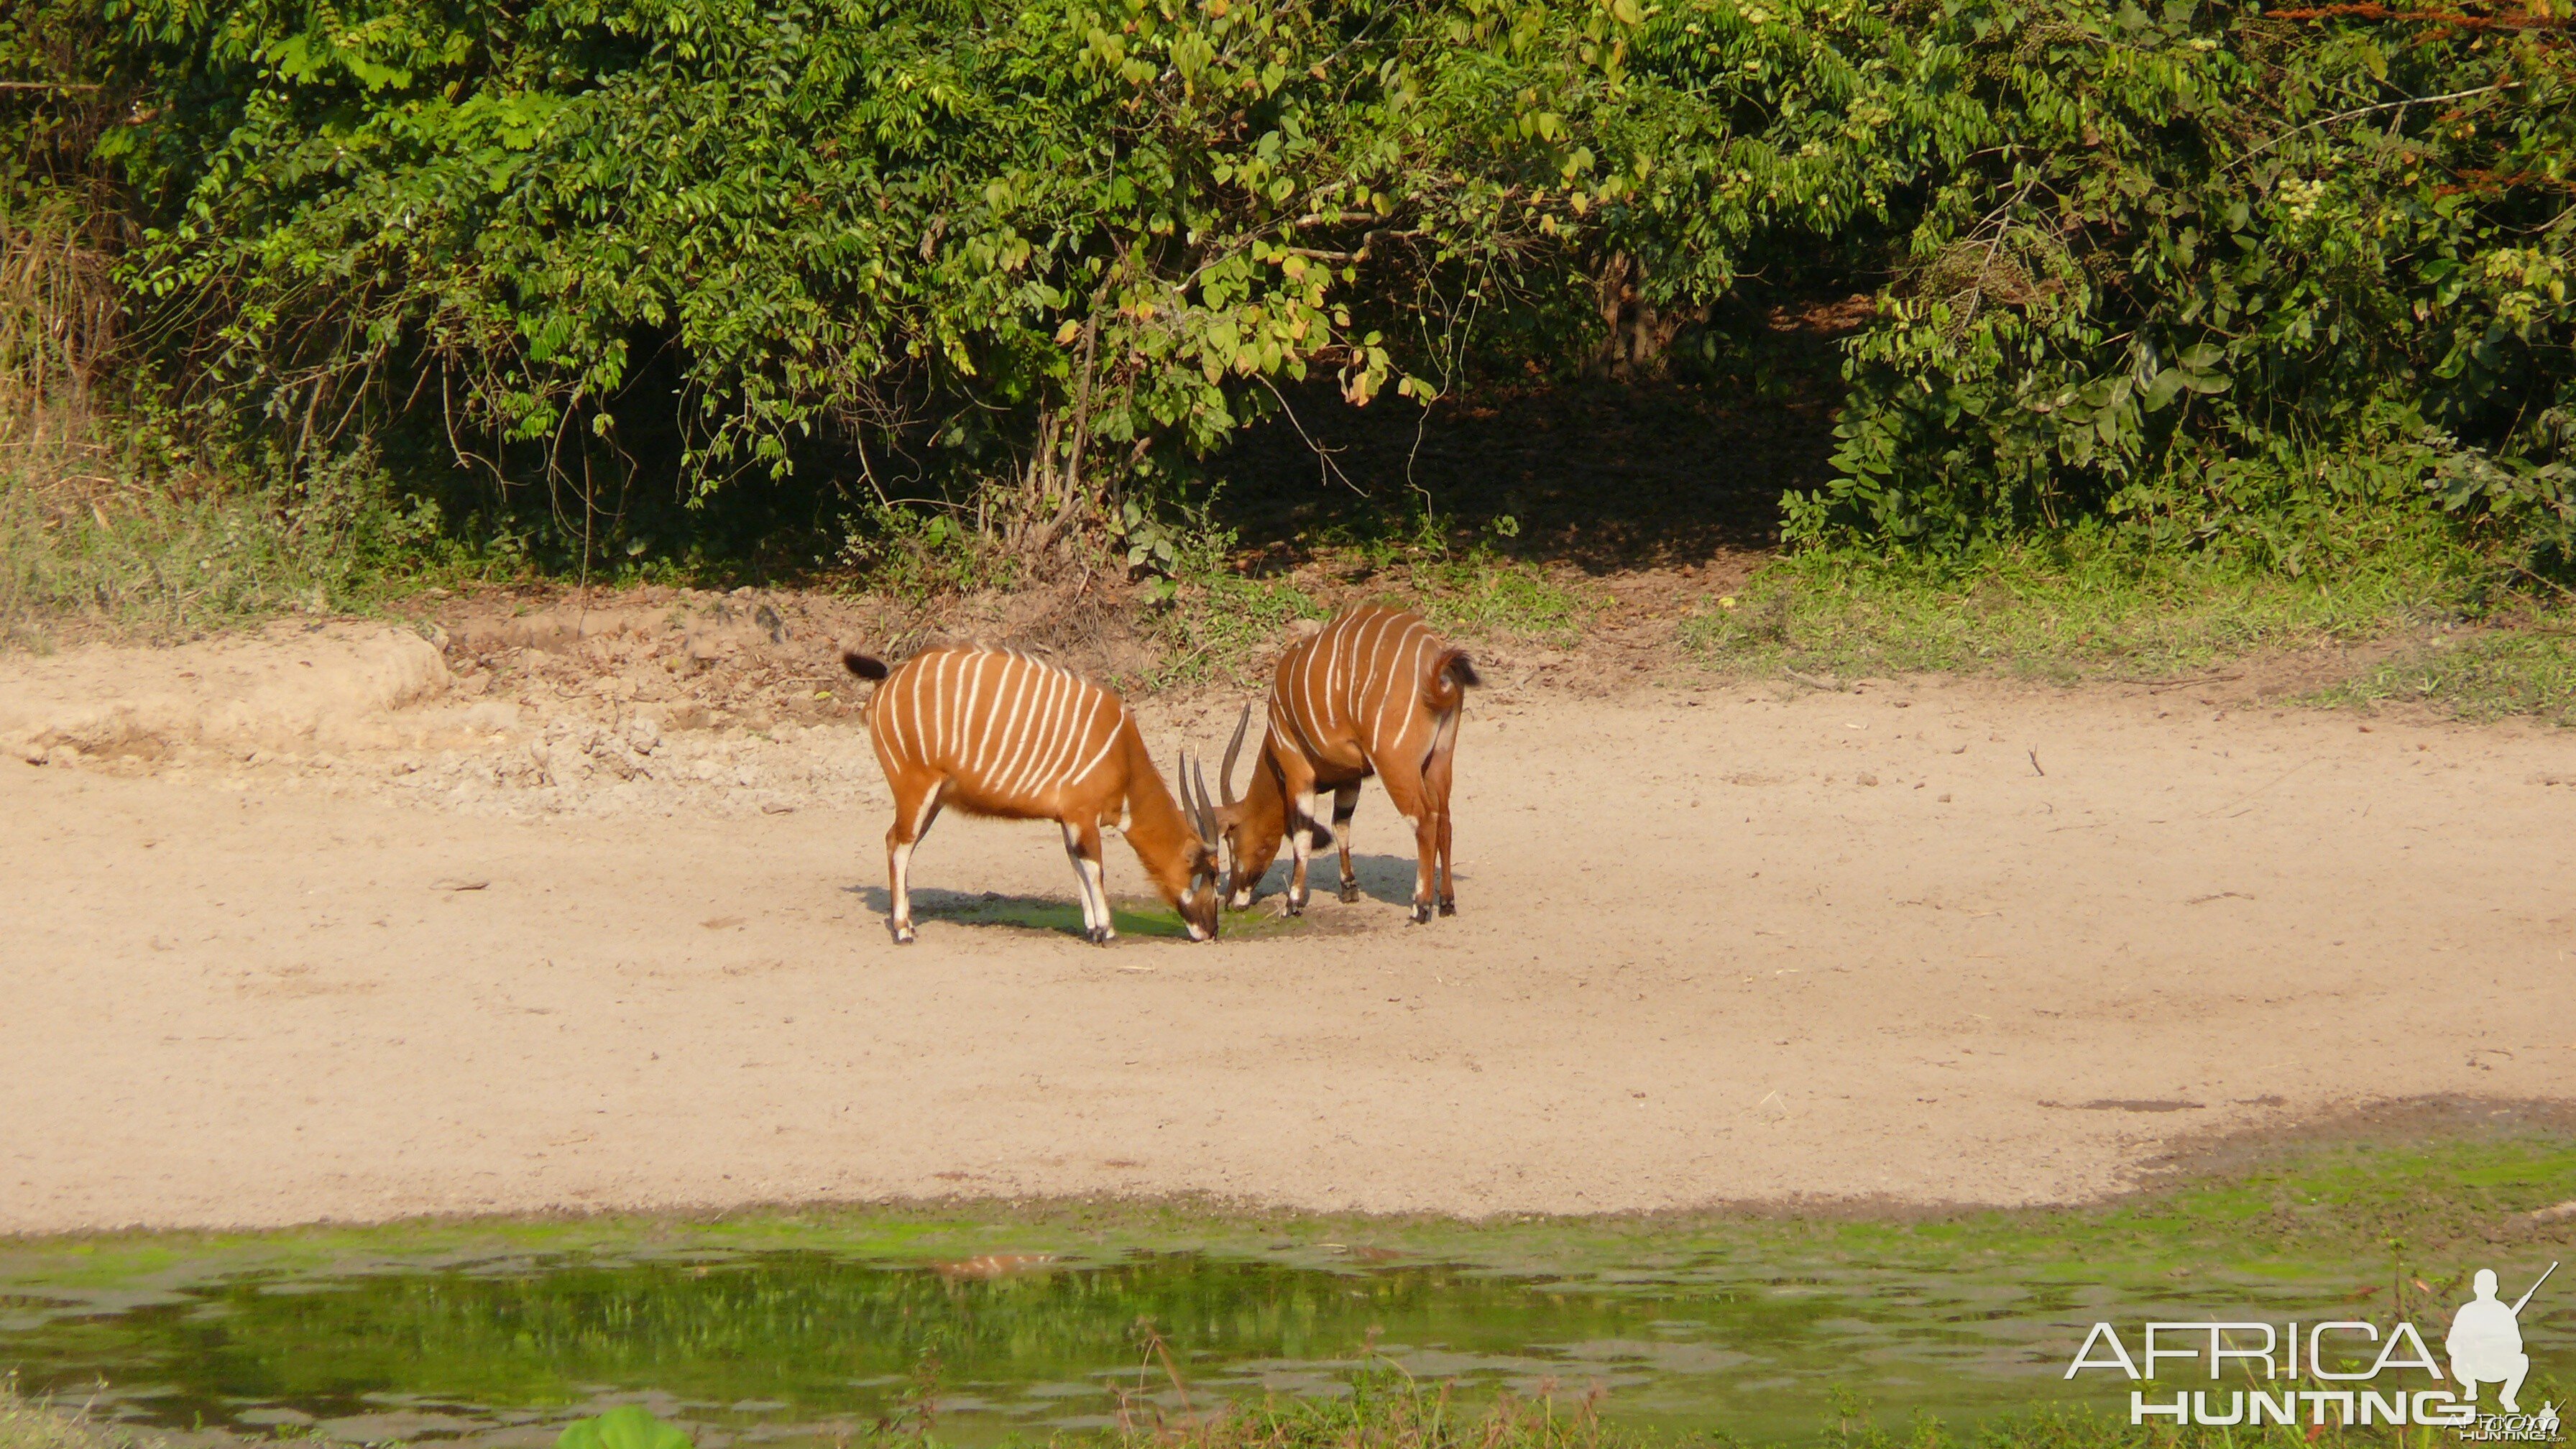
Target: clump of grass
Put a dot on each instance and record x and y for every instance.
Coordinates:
(1486, 594)
(176, 556)
(2087, 604)
(1221, 626)
(27, 1423)
(1475, 589)
(1388, 1409)
(2484, 675)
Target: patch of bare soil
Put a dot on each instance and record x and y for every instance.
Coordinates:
(1918, 942)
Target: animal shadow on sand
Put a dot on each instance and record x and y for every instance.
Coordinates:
(1053, 914)
(1387, 879)
(1384, 879)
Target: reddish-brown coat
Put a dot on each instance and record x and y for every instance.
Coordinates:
(1373, 692)
(997, 732)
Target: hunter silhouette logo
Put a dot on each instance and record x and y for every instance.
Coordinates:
(2485, 1342)
(2362, 1372)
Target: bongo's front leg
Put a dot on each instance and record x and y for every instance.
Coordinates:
(1346, 801)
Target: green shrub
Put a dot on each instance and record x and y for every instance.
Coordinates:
(2208, 274)
(2215, 275)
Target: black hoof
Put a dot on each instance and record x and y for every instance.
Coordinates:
(1448, 908)
(1097, 935)
(1350, 893)
(1422, 913)
(1296, 906)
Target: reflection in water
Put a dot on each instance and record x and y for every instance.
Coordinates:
(800, 1344)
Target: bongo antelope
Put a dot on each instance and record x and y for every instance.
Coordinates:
(1373, 692)
(996, 732)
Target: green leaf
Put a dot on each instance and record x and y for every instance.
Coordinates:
(2161, 390)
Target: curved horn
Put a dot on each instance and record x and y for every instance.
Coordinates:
(1207, 809)
(1225, 772)
(1189, 803)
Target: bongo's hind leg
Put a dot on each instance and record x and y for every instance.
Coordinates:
(1346, 801)
(914, 809)
(1426, 849)
(1405, 788)
(1448, 881)
(1435, 791)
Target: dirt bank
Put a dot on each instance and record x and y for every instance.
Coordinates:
(1938, 942)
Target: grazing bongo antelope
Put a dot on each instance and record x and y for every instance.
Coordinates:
(1373, 692)
(995, 732)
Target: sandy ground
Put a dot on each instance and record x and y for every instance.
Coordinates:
(311, 948)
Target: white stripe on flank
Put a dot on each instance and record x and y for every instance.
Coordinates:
(1302, 687)
(1067, 739)
(1047, 700)
(970, 742)
(1345, 637)
(1039, 738)
(1010, 735)
(1391, 682)
(884, 709)
(1007, 688)
(1392, 685)
(952, 715)
(1026, 706)
(955, 705)
(936, 702)
(1108, 737)
(1314, 702)
(1365, 671)
(1008, 684)
(912, 709)
(917, 718)
(887, 760)
(1418, 670)
(1283, 720)
(1338, 699)
(1040, 688)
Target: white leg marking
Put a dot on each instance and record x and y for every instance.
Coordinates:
(902, 902)
(1081, 879)
(1096, 876)
(1297, 847)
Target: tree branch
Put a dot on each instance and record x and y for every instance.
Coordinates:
(2354, 115)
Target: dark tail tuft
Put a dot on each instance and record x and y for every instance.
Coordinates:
(862, 665)
(1451, 675)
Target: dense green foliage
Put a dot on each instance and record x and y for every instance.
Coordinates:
(2214, 273)
(1061, 245)
(2200, 271)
